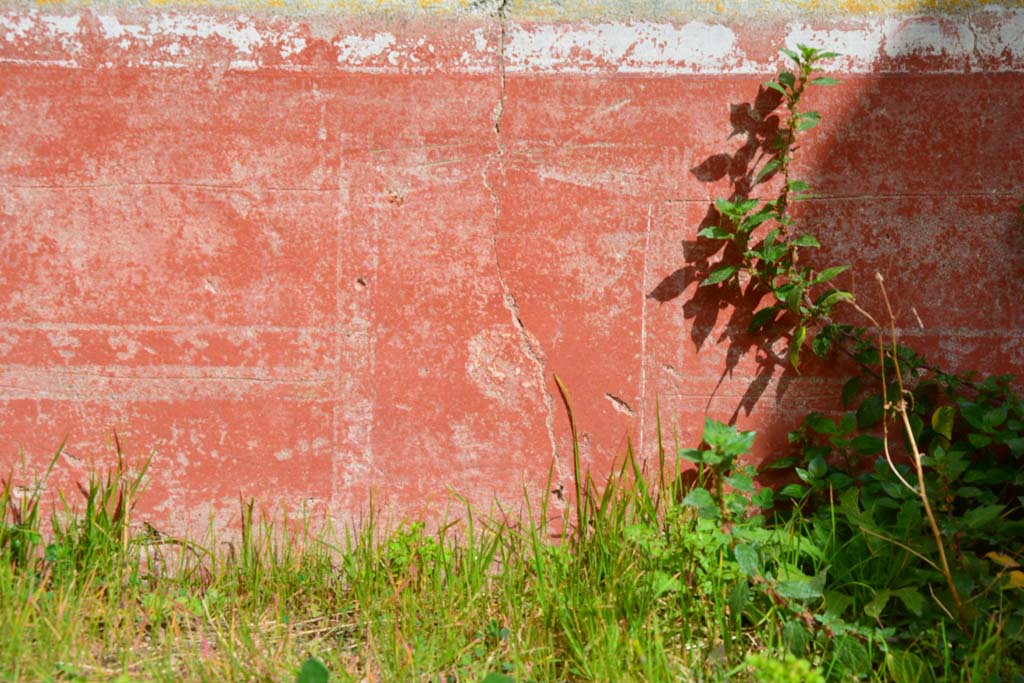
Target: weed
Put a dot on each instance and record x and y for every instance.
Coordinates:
(931, 535)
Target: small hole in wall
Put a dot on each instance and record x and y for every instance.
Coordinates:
(360, 283)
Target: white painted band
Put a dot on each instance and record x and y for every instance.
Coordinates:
(984, 40)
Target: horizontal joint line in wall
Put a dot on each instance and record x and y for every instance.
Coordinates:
(194, 186)
(137, 327)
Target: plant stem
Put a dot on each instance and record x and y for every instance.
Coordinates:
(922, 492)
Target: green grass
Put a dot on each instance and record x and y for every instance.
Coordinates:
(649, 591)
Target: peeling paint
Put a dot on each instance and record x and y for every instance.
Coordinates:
(634, 48)
(184, 39)
(573, 10)
(319, 255)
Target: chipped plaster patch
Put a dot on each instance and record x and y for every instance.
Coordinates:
(859, 47)
(629, 48)
(494, 366)
(358, 49)
(928, 36)
(990, 39)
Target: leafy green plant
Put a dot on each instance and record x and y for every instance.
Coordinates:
(719, 464)
(19, 519)
(785, 669)
(312, 671)
(932, 532)
(760, 239)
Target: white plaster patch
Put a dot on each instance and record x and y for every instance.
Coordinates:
(61, 24)
(15, 26)
(928, 36)
(65, 29)
(858, 47)
(1007, 40)
(359, 49)
(992, 39)
(111, 26)
(242, 34)
(294, 46)
(629, 48)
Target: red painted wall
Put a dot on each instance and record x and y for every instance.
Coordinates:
(298, 267)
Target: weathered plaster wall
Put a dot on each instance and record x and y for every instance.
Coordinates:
(312, 250)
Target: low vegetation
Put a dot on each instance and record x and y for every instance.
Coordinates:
(889, 551)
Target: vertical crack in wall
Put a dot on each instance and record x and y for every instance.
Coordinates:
(528, 343)
(643, 329)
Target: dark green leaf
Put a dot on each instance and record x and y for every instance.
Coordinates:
(796, 638)
(739, 596)
(792, 55)
(794, 297)
(700, 498)
(775, 86)
(848, 423)
(840, 480)
(725, 207)
(942, 421)
(825, 80)
(782, 463)
(828, 274)
(740, 482)
(787, 79)
(719, 274)
(982, 517)
(761, 318)
(801, 589)
(756, 219)
(775, 252)
(979, 440)
(748, 559)
(727, 439)
(866, 444)
(764, 498)
(821, 345)
(772, 165)
(312, 671)
(906, 667)
(805, 241)
(495, 677)
(691, 454)
(817, 468)
(715, 232)
(916, 425)
(793, 491)
(746, 206)
(912, 599)
(821, 424)
(874, 608)
(850, 654)
(808, 120)
(995, 417)
(799, 335)
(870, 411)
(829, 299)
(850, 391)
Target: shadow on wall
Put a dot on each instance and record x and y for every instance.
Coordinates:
(758, 123)
(946, 235)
